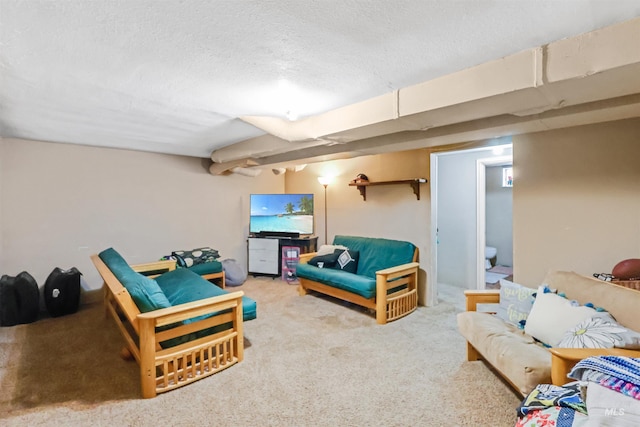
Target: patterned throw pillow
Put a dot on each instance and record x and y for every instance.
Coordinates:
(195, 256)
(515, 302)
(600, 332)
(347, 261)
(552, 315)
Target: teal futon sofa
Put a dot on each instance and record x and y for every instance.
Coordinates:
(379, 274)
(177, 325)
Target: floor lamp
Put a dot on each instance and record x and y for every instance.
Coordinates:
(325, 181)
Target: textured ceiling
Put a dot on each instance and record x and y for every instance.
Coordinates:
(173, 76)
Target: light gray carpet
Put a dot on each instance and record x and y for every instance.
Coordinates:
(312, 362)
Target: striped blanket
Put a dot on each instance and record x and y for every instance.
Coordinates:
(618, 373)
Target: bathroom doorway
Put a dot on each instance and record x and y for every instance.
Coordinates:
(454, 226)
(494, 216)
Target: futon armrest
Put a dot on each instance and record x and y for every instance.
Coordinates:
(160, 266)
(564, 359)
(304, 258)
(398, 269)
(481, 296)
(177, 313)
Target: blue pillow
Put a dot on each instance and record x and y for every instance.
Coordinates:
(515, 302)
(145, 292)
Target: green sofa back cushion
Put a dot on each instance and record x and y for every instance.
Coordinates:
(207, 268)
(145, 292)
(376, 253)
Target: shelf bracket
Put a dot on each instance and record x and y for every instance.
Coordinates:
(416, 188)
(363, 191)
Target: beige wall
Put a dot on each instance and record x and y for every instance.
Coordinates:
(391, 212)
(576, 199)
(62, 203)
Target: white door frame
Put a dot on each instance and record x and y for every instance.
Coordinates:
(481, 220)
(432, 277)
(432, 273)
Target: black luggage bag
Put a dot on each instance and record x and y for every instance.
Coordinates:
(19, 299)
(62, 291)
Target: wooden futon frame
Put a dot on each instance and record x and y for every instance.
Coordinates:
(161, 369)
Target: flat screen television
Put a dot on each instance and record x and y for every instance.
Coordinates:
(281, 213)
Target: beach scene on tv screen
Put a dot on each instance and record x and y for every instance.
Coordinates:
(282, 212)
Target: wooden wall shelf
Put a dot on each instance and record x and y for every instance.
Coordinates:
(414, 183)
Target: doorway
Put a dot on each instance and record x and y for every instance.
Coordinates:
(455, 246)
(494, 219)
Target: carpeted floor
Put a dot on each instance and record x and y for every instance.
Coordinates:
(312, 362)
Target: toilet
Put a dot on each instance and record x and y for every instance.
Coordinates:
(489, 252)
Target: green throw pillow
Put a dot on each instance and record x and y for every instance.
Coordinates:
(145, 292)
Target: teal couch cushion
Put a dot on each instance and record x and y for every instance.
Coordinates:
(145, 292)
(183, 285)
(207, 268)
(354, 283)
(377, 254)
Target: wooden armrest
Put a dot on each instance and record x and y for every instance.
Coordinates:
(154, 266)
(177, 313)
(564, 359)
(577, 354)
(398, 269)
(481, 296)
(304, 258)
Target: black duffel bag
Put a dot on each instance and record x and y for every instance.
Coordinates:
(19, 299)
(62, 291)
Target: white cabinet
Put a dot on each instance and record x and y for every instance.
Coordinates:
(263, 255)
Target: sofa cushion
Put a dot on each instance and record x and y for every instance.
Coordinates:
(354, 283)
(207, 268)
(552, 315)
(512, 352)
(182, 285)
(145, 292)
(376, 253)
(115, 262)
(515, 302)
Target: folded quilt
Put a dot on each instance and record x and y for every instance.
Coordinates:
(549, 395)
(625, 368)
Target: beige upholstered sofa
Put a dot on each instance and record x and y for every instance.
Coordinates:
(521, 360)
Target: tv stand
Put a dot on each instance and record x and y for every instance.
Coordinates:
(278, 234)
(265, 252)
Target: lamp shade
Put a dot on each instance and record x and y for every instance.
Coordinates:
(324, 180)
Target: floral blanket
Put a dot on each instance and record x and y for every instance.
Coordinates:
(550, 405)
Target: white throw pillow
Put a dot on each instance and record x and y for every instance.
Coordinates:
(552, 315)
(328, 249)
